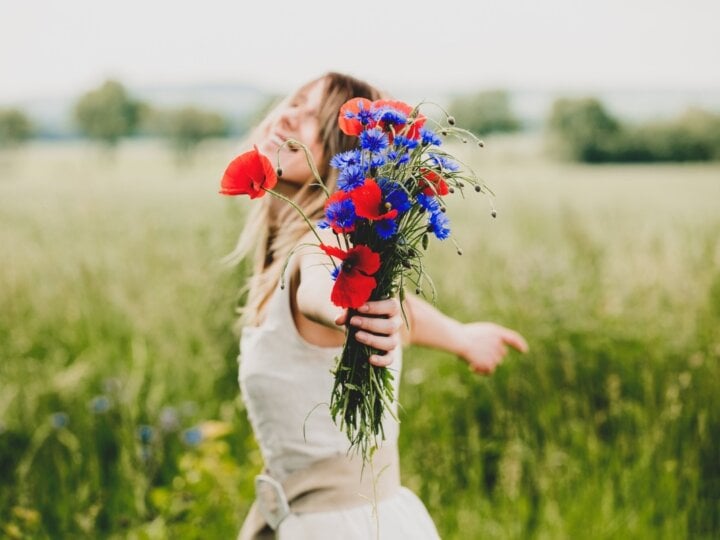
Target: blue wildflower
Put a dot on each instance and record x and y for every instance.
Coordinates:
(392, 117)
(440, 225)
(145, 433)
(373, 140)
(99, 404)
(345, 159)
(429, 137)
(340, 213)
(192, 436)
(351, 177)
(59, 420)
(428, 202)
(395, 195)
(403, 141)
(377, 161)
(400, 158)
(444, 163)
(335, 272)
(385, 228)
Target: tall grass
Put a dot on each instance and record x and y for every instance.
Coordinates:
(119, 407)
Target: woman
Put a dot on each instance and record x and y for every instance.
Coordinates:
(292, 334)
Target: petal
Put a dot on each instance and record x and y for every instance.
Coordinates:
(352, 126)
(364, 259)
(368, 199)
(352, 289)
(334, 252)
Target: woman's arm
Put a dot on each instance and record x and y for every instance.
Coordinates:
(483, 345)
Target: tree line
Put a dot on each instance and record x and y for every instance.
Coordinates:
(578, 129)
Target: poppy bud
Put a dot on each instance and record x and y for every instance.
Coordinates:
(278, 171)
(451, 189)
(425, 241)
(451, 120)
(443, 209)
(478, 189)
(418, 290)
(460, 252)
(464, 140)
(406, 263)
(493, 213)
(443, 132)
(481, 144)
(460, 184)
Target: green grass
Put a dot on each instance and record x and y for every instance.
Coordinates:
(608, 428)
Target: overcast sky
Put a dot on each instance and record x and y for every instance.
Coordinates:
(55, 47)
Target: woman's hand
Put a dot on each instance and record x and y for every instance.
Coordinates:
(378, 326)
(484, 345)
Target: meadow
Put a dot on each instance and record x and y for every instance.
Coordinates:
(120, 414)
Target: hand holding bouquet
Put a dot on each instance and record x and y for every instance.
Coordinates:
(388, 203)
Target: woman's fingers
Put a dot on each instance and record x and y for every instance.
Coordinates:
(514, 339)
(383, 343)
(388, 307)
(381, 361)
(376, 325)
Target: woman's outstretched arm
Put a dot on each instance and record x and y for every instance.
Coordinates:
(482, 345)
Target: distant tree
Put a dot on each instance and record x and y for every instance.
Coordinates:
(584, 129)
(186, 127)
(15, 128)
(108, 113)
(485, 112)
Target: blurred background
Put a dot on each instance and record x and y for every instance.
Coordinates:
(120, 414)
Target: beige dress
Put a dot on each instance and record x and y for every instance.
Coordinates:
(286, 384)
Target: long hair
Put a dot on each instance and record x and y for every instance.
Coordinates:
(269, 240)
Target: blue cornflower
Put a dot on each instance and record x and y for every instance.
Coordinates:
(440, 225)
(428, 202)
(444, 163)
(99, 404)
(377, 160)
(400, 158)
(340, 215)
(59, 420)
(351, 177)
(344, 159)
(386, 228)
(429, 137)
(145, 433)
(373, 140)
(192, 436)
(392, 116)
(335, 272)
(402, 140)
(395, 195)
(366, 116)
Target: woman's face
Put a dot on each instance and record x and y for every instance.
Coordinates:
(297, 118)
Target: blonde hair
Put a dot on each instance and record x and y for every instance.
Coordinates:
(269, 241)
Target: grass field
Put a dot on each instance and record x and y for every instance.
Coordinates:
(120, 414)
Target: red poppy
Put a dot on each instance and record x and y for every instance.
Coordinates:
(353, 126)
(413, 131)
(354, 283)
(368, 201)
(250, 173)
(432, 179)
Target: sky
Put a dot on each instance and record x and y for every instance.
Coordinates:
(53, 47)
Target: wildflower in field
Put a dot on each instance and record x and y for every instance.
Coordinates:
(99, 404)
(169, 420)
(192, 436)
(145, 433)
(59, 420)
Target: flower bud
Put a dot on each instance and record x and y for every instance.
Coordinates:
(451, 189)
(460, 251)
(425, 240)
(451, 120)
(444, 132)
(443, 209)
(464, 140)
(493, 214)
(406, 263)
(418, 290)
(478, 189)
(387, 205)
(481, 144)
(278, 171)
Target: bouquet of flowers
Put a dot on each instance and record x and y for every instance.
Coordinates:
(390, 199)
